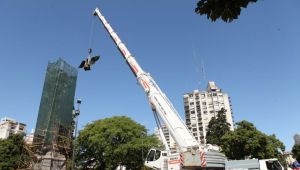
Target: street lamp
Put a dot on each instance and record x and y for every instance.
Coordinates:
(76, 113)
(143, 133)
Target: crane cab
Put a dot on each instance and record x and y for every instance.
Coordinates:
(156, 159)
(162, 160)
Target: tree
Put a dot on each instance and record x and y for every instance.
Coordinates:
(248, 142)
(217, 127)
(108, 143)
(13, 153)
(227, 10)
(296, 152)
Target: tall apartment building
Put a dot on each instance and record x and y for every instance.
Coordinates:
(170, 141)
(29, 137)
(9, 126)
(201, 106)
(297, 138)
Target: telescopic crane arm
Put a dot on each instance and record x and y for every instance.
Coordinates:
(157, 99)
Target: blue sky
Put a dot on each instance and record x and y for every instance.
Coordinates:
(255, 59)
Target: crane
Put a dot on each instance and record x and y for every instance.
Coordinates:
(191, 155)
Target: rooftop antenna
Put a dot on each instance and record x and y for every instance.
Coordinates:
(200, 70)
(203, 70)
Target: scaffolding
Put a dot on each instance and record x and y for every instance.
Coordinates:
(52, 142)
(54, 154)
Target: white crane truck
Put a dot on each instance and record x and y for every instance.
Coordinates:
(191, 155)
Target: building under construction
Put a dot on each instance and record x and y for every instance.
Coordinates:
(52, 140)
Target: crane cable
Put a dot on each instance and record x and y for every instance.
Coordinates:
(91, 38)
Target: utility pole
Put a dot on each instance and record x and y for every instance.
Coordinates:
(143, 146)
(75, 116)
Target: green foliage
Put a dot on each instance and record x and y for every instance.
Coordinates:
(108, 143)
(217, 127)
(296, 152)
(13, 153)
(248, 142)
(227, 10)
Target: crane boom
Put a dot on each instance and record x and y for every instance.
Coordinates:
(157, 99)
